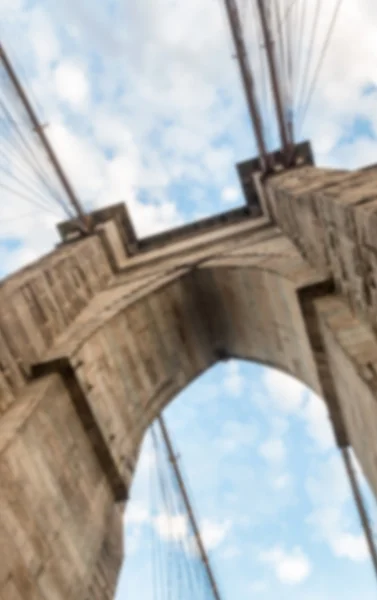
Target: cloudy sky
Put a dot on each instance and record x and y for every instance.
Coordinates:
(143, 103)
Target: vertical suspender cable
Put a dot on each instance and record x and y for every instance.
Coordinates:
(46, 144)
(272, 65)
(188, 507)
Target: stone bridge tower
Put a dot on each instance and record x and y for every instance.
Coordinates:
(98, 336)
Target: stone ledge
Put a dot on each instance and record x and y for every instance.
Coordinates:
(308, 296)
(70, 231)
(248, 172)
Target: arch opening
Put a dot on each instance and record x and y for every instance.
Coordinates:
(274, 502)
(151, 328)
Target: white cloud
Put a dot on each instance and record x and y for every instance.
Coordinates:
(11, 6)
(234, 381)
(273, 450)
(175, 528)
(235, 435)
(351, 546)
(43, 37)
(136, 513)
(106, 181)
(80, 158)
(317, 421)
(331, 525)
(291, 568)
(230, 195)
(147, 460)
(214, 532)
(330, 494)
(291, 397)
(286, 392)
(281, 482)
(71, 83)
(171, 527)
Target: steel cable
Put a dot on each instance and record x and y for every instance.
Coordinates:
(310, 93)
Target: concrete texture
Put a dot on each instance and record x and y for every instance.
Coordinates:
(99, 336)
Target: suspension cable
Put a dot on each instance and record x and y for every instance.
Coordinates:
(179, 556)
(309, 96)
(275, 84)
(188, 507)
(21, 147)
(289, 35)
(360, 506)
(44, 140)
(247, 80)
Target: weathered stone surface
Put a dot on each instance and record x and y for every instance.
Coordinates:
(39, 302)
(53, 490)
(331, 217)
(351, 352)
(99, 336)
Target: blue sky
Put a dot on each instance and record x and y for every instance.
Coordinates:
(143, 104)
